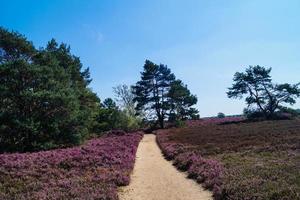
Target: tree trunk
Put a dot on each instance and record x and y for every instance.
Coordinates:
(161, 122)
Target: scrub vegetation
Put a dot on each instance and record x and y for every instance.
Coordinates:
(244, 160)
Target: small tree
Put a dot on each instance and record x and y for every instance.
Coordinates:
(256, 84)
(110, 117)
(125, 98)
(221, 115)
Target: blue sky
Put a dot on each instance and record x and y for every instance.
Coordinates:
(203, 42)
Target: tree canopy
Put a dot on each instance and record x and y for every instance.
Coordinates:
(45, 101)
(160, 94)
(181, 102)
(256, 84)
(125, 98)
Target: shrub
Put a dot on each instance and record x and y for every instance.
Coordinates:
(290, 111)
(206, 171)
(221, 115)
(249, 160)
(253, 114)
(91, 171)
(179, 123)
(110, 117)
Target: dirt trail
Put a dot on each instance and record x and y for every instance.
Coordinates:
(155, 178)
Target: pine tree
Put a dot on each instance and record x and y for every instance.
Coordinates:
(181, 101)
(262, 96)
(44, 99)
(159, 93)
(152, 90)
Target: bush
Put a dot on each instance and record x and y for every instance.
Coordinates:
(209, 172)
(290, 111)
(249, 160)
(110, 117)
(180, 123)
(91, 171)
(221, 115)
(253, 114)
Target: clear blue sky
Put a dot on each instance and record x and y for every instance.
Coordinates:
(203, 42)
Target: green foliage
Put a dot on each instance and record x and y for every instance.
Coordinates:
(44, 99)
(291, 111)
(110, 117)
(125, 97)
(256, 84)
(151, 92)
(180, 124)
(160, 95)
(14, 46)
(221, 115)
(253, 114)
(181, 101)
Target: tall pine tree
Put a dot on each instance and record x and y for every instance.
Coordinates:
(152, 90)
(159, 93)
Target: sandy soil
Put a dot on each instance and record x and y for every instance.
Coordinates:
(155, 178)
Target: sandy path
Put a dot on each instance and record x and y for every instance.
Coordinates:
(155, 178)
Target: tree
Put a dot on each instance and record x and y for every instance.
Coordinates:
(257, 84)
(221, 115)
(107, 116)
(158, 92)
(110, 117)
(14, 46)
(125, 98)
(151, 92)
(44, 99)
(181, 101)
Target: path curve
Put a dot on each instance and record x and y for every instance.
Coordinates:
(155, 178)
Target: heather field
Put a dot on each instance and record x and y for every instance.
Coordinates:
(91, 171)
(239, 160)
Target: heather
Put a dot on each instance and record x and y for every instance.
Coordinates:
(214, 120)
(241, 160)
(91, 171)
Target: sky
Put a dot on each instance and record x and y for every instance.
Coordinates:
(204, 42)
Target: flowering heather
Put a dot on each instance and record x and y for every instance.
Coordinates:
(247, 161)
(91, 171)
(205, 171)
(213, 120)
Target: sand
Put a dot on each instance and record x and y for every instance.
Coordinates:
(155, 178)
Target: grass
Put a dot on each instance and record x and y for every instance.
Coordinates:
(260, 160)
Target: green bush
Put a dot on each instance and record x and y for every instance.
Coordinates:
(253, 114)
(290, 111)
(179, 123)
(221, 115)
(110, 117)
